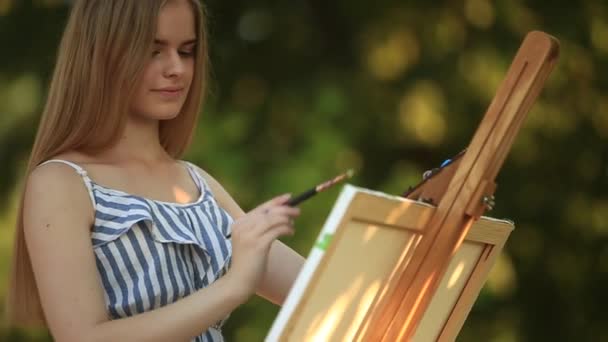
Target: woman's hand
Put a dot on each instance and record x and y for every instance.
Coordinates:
(252, 236)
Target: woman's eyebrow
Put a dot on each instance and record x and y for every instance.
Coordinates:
(165, 43)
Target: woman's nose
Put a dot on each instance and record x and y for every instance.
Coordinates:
(174, 65)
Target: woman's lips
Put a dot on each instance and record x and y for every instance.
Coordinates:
(169, 93)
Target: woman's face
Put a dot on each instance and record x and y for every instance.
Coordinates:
(168, 74)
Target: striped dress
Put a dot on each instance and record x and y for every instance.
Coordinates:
(151, 253)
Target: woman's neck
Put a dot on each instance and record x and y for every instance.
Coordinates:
(139, 142)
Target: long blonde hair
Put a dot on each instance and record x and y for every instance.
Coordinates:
(101, 57)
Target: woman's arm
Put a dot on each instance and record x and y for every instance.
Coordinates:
(57, 217)
(283, 264)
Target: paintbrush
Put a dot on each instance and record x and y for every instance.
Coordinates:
(311, 192)
(321, 187)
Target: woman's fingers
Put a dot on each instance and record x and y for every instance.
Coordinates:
(275, 232)
(266, 216)
(276, 201)
(270, 221)
(282, 210)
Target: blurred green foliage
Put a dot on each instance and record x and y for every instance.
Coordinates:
(303, 89)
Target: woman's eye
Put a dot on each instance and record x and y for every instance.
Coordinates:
(186, 53)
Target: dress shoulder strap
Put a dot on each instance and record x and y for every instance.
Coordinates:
(82, 172)
(198, 178)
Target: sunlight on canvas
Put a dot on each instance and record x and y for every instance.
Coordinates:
(364, 305)
(396, 213)
(370, 232)
(323, 330)
(455, 275)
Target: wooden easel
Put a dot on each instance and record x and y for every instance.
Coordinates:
(410, 268)
(463, 190)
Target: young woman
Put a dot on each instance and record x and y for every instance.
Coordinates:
(117, 239)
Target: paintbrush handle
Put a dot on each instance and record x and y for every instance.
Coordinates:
(301, 197)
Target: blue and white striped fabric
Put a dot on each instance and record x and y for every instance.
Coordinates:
(151, 253)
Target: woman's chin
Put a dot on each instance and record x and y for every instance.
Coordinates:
(167, 116)
(167, 112)
(156, 116)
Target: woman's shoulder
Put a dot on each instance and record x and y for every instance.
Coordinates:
(60, 168)
(57, 181)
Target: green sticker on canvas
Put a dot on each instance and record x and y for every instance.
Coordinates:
(323, 242)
